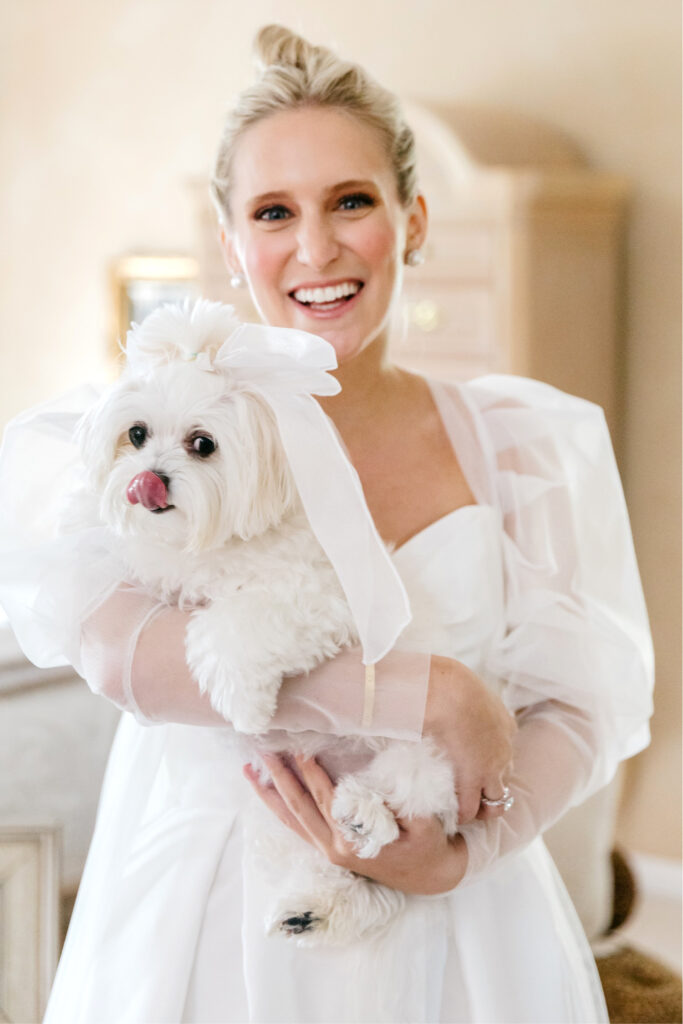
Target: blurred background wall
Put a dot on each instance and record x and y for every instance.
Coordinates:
(106, 111)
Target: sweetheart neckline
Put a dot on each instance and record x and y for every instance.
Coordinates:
(471, 509)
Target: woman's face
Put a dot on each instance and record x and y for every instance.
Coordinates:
(317, 227)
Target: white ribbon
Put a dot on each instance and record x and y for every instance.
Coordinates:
(287, 367)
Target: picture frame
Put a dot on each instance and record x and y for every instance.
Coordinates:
(142, 281)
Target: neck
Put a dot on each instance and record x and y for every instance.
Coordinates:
(368, 382)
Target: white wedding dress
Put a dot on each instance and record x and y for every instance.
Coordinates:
(538, 587)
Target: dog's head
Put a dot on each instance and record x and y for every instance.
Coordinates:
(184, 456)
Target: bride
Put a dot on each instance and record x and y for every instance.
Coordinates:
(502, 499)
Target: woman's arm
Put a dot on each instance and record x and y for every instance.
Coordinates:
(554, 755)
(553, 751)
(575, 654)
(133, 653)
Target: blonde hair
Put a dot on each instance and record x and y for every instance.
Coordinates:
(295, 74)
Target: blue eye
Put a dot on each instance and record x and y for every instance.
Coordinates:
(271, 213)
(356, 201)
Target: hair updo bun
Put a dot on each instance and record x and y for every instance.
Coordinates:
(294, 73)
(275, 44)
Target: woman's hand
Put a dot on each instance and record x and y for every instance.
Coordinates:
(422, 860)
(475, 730)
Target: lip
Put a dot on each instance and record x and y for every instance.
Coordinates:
(340, 307)
(158, 511)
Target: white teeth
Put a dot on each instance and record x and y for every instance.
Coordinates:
(332, 293)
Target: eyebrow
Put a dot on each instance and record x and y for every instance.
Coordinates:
(354, 183)
(342, 186)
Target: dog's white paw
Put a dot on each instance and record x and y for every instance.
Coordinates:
(364, 819)
(335, 915)
(251, 710)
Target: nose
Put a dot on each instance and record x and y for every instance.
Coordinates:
(317, 245)
(164, 479)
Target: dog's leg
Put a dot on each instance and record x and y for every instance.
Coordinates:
(239, 649)
(313, 902)
(229, 659)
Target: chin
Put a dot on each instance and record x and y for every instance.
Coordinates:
(186, 468)
(349, 334)
(350, 343)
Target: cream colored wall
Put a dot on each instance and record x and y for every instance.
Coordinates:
(107, 109)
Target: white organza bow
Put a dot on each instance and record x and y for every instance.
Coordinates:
(287, 367)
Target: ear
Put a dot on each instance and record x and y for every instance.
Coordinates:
(97, 445)
(99, 430)
(416, 232)
(228, 249)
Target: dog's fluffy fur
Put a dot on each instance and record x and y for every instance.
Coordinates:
(237, 549)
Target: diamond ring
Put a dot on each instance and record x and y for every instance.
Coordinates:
(505, 801)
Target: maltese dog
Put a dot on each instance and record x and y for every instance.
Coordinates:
(188, 470)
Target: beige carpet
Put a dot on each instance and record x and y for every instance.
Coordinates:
(640, 990)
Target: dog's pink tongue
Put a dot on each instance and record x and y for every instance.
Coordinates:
(148, 490)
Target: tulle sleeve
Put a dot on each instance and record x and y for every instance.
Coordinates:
(575, 659)
(577, 629)
(53, 570)
(133, 653)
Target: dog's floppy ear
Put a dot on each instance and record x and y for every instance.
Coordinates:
(100, 429)
(266, 485)
(276, 488)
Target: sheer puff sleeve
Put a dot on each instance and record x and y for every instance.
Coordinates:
(57, 563)
(575, 658)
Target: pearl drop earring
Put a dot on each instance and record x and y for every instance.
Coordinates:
(414, 257)
(237, 280)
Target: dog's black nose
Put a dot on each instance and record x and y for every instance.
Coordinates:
(164, 479)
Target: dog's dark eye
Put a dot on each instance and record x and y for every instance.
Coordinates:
(138, 435)
(202, 445)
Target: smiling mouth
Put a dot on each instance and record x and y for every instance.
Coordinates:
(327, 297)
(158, 511)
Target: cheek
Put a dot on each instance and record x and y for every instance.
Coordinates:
(378, 243)
(263, 262)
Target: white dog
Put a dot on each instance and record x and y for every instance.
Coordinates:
(187, 467)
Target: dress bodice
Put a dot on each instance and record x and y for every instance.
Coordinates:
(453, 574)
